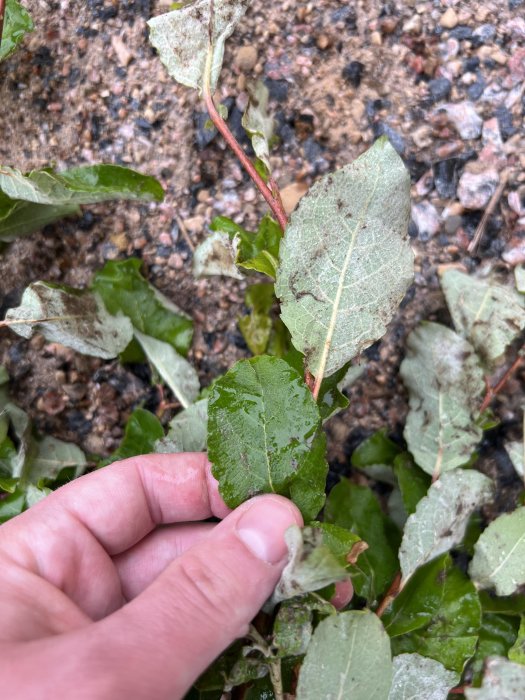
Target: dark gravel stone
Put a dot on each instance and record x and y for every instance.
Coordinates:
(43, 57)
(204, 135)
(395, 138)
(373, 106)
(505, 122)
(470, 64)
(87, 221)
(78, 423)
(143, 124)
(439, 89)
(462, 32)
(483, 34)
(372, 353)
(353, 73)
(413, 231)
(514, 4)
(278, 89)
(347, 15)
(312, 150)
(475, 91)
(446, 175)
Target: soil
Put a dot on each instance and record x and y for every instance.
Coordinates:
(87, 87)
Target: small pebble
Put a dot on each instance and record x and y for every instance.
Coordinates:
(476, 189)
(353, 73)
(449, 19)
(439, 89)
(246, 58)
(426, 218)
(465, 118)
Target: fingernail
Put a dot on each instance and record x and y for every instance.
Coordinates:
(262, 529)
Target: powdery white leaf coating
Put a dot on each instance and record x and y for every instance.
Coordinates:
(80, 320)
(177, 372)
(346, 262)
(502, 680)
(488, 315)
(348, 657)
(445, 383)
(216, 256)
(418, 678)
(499, 554)
(258, 123)
(188, 431)
(182, 38)
(441, 517)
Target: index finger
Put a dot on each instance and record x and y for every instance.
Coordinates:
(121, 503)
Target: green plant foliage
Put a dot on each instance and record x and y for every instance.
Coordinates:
(413, 481)
(262, 425)
(376, 449)
(17, 23)
(502, 680)
(499, 555)
(487, 314)
(348, 657)
(256, 327)
(177, 372)
(345, 262)
(71, 317)
(441, 517)
(125, 291)
(445, 383)
(437, 614)
(496, 636)
(188, 431)
(257, 123)
(293, 625)
(186, 37)
(356, 509)
(417, 678)
(142, 431)
(517, 651)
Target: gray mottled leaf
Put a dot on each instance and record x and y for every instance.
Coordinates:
(182, 38)
(419, 678)
(216, 256)
(312, 565)
(487, 314)
(71, 317)
(188, 431)
(516, 451)
(54, 455)
(502, 680)
(292, 628)
(348, 657)
(345, 260)
(499, 554)
(445, 383)
(519, 277)
(258, 123)
(177, 372)
(441, 517)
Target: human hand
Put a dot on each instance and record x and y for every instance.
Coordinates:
(109, 588)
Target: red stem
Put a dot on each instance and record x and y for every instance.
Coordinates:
(273, 199)
(2, 15)
(493, 390)
(392, 592)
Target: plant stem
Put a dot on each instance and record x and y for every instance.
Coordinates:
(274, 667)
(392, 592)
(2, 15)
(493, 390)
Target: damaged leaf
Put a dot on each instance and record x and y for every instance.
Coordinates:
(216, 256)
(183, 38)
(74, 318)
(441, 517)
(489, 315)
(292, 628)
(345, 262)
(258, 123)
(499, 554)
(418, 678)
(445, 383)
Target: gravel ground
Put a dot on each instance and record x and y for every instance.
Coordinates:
(444, 81)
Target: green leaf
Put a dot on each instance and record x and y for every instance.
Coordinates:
(188, 431)
(177, 372)
(445, 383)
(437, 614)
(12, 505)
(311, 566)
(441, 517)
(292, 628)
(499, 554)
(34, 495)
(517, 651)
(348, 657)
(71, 317)
(505, 605)
(487, 314)
(254, 251)
(85, 185)
(418, 678)
(496, 636)
(356, 509)
(216, 256)
(307, 490)
(52, 456)
(345, 262)
(339, 541)
(261, 427)
(23, 218)
(17, 23)
(256, 327)
(142, 431)
(503, 680)
(183, 39)
(124, 290)
(376, 449)
(413, 482)
(258, 123)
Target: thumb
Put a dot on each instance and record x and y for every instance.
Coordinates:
(202, 602)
